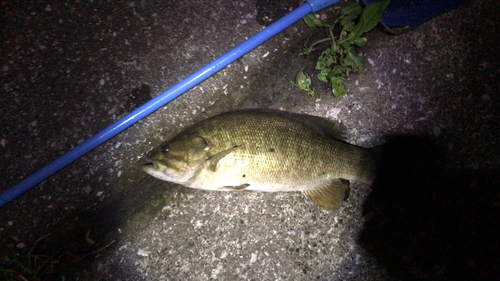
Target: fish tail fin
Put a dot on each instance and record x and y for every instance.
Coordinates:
(370, 164)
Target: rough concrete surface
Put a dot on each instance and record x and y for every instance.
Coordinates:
(69, 70)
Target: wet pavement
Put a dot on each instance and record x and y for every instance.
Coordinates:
(70, 70)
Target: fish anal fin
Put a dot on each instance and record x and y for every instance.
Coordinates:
(213, 160)
(240, 187)
(329, 196)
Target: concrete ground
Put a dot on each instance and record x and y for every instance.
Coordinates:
(69, 70)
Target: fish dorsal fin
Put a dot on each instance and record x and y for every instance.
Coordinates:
(213, 160)
(329, 196)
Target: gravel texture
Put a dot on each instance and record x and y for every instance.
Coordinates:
(69, 70)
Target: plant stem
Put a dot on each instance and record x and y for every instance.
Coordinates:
(319, 41)
(330, 31)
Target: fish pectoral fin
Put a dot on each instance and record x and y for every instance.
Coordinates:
(213, 160)
(240, 187)
(330, 196)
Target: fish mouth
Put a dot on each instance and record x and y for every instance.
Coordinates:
(150, 164)
(157, 169)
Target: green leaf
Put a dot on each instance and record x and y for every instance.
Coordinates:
(345, 20)
(360, 41)
(349, 26)
(352, 60)
(369, 19)
(355, 32)
(346, 45)
(354, 9)
(372, 14)
(338, 70)
(312, 21)
(338, 88)
(326, 59)
(322, 77)
(302, 80)
(325, 71)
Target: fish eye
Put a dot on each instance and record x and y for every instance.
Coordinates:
(164, 150)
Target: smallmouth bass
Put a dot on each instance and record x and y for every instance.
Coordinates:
(264, 150)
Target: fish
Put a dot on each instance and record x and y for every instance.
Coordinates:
(264, 150)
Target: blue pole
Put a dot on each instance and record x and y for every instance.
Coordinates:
(163, 98)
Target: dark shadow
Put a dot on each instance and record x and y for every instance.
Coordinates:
(427, 222)
(76, 244)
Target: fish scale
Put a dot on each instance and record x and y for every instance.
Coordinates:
(259, 150)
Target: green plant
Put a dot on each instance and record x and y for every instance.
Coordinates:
(27, 266)
(336, 62)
